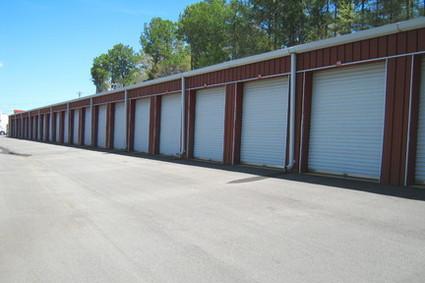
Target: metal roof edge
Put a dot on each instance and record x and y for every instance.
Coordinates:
(338, 40)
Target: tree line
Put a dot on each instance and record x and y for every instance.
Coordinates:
(214, 31)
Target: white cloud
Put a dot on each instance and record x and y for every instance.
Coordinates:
(1, 64)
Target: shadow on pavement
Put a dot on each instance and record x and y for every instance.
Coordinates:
(262, 173)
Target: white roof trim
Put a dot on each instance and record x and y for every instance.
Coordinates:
(338, 40)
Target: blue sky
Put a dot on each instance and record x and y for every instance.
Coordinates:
(47, 46)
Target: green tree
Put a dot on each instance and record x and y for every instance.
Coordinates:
(244, 36)
(346, 17)
(283, 21)
(118, 67)
(100, 73)
(203, 27)
(318, 17)
(167, 51)
(123, 64)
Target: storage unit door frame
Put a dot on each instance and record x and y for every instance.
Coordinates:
(209, 124)
(141, 125)
(265, 122)
(170, 125)
(347, 121)
(420, 150)
(101, 128)
(120, 140)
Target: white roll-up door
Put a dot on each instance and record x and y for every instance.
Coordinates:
(58, 126)
(65, 127)
(347, 121)
(87, 126)
(51, 127)
(141, 125)
(209, 124)
(169, 140)
(120, 140)
(264, 122)
(40, 125)
(101, 127)
(45, 127)
(420, 152)
(76, 126)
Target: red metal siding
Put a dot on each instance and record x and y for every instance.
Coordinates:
(229, 117)
(416, 81)
(61, 126)
(396, 119)
(110, 114)
(94, 123)
(54, 127)
(191, 104)
(233, 123)
(251, 71)
(131, 108)
(81, 125)
(71, 126)
(113, 97)
(79, 103)
(154, 126)
(58, 108)
(45, 111)
(306, 93)
(394, 44)
(162, 88)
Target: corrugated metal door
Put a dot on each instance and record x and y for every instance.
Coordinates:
(169, 141)
(51, 127)
(87, 126)
(101, 127)
(141, 125)
(40, 125)
(120, 141)
(347, 121)
(420, 155)
(65, 127)
(209, 124)
(58, 126)
(264, 122)
(76, 126)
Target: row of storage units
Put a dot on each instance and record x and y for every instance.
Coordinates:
(351, 119)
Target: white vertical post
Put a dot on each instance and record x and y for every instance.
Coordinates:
(291, 160)
(182, 122)
(126, 118)
(91, 124)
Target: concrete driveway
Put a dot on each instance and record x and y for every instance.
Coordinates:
(73, 215)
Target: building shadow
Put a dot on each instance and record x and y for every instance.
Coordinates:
(262, 173)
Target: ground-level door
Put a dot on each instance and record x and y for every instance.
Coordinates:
(347, 121)
(209, 124)
(120, 139)
(58, 114)
(76, 126)
(101, 126)
(141, 125)
(87, 126)
(264, 122)
(170, 130)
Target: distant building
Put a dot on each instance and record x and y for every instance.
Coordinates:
(4, 120)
